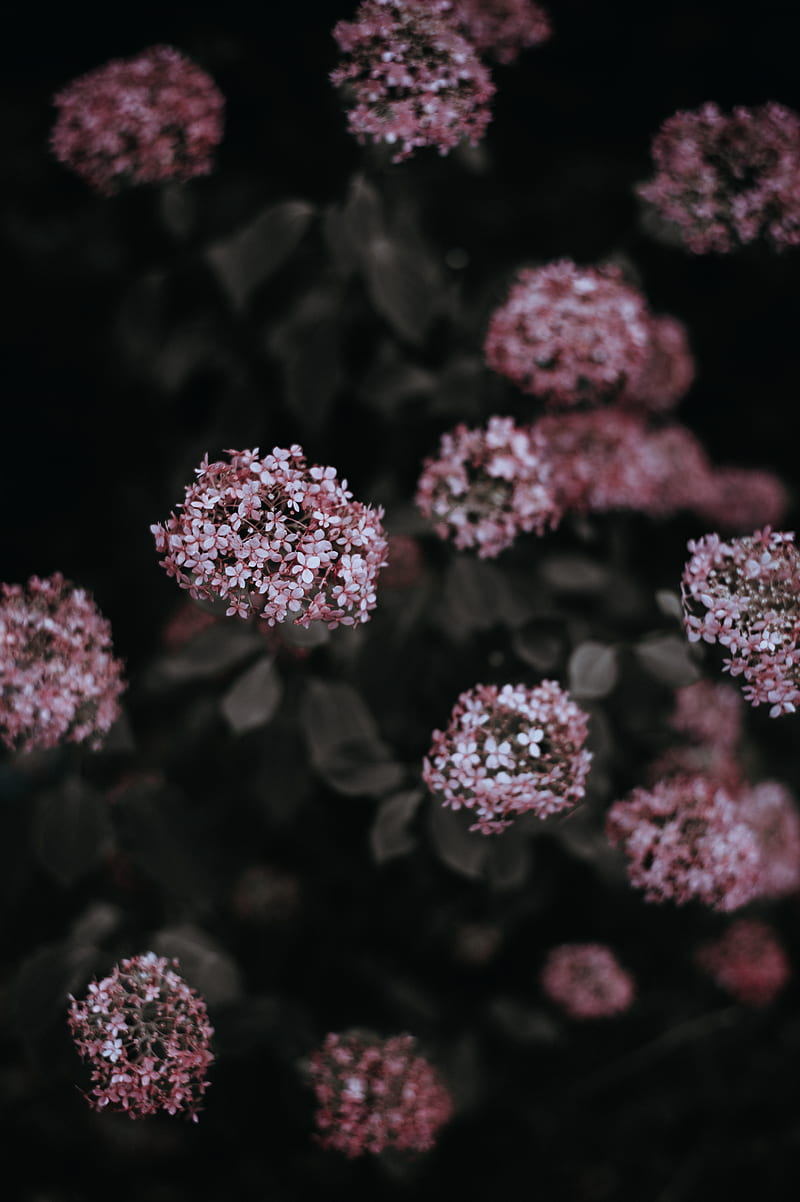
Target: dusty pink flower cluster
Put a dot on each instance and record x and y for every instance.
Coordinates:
(745, 595)
(510, 750)
(724, 180)
(413, 79)
(58, 679)
(277, 539)
(709, 719)
(488, 485)
(739, 499)
(747, 961)
(406, 564)
(587, 981)
(146, 1034)
(501, 29)
(669, 372)
(373, 1094)
(691, 837)
(141, 120)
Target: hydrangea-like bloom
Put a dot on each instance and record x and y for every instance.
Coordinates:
(374, 1094)
(508, 751)
(669, 371)
(772, 814)
(677, 470)
(141, 120)
(58, 679)
(710, 718)
(571, 334)
(740, 499)
(277, 539)
(745, 595)
(501, 29)
(488, 485)
(146, 1034)
(748, 962)
(724, 180)
(587, 981)
(685, 838)
(415, 81)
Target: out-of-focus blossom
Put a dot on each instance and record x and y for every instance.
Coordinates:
(709, 717)
(724, 180)
(745, 595)
(669, 371)
(186, 622)
(59, 681)
(142, 120)
(145, 1033)
(277, 539)
(406, 563)
(748, 961)
(740, 499)
(373, 1094)
(488, 485)
(508, 751)
(771, 812)
(410, 78)
(587, 981)
(677, 469)
(501, 29)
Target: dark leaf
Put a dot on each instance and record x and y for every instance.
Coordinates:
(254, 697)
(568, 572)
(72, 829)
(308, 347)
(203, 963)
(462, 850)
(247, 258)
(39, 993)
(540, 643)
(523, 1024)
(507, 864)
(349, 229)
(402, 286)
(390, 836)
(592, 670)
(477, 596)
(667, 657)
(669, 603)
(344, 742)
(211, 653)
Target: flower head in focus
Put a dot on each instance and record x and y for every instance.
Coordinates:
(587, 981)
(748, 961)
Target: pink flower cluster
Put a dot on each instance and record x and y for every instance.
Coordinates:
(413, 79)
(587, 981)
(709, 718)
(488, 485)
(277, 539)
(669, 372)
(146, 1034)
(748, 962)
(58, 679)
(745, 595)
(141, 120)
(501, 29)
(739, 499)
(723, 180)
(373, 1094)
(508, 751)
(691, 837)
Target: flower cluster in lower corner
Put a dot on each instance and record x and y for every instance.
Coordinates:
(276, 539)
(510, 750)
(374, 1094)
(587, 981)
(745, 595)
(146, 1035)
(58, 678)
(748, 962)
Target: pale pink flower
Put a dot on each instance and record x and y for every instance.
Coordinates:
(771, 811)
(501, 29)
(587, 981)
(146, 1036)
(59, 681)
(723, 180)
(508, 751)
(373, 1094)
(748, 961)
(739, 499)
(669, 371)
(142, 120)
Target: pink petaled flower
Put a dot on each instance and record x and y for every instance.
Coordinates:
(141, 120)
(277, 539)
(748, 962)
(596, 460)
(374, 1094)
(724, 180)
(740, 499)
(413, 79)
(685, 838)
(406, 564)
(587, 981)
(501, 29)
(58, 679)
(488, 485)
(771, 812)
(677, 469)
(146, 1034)
(709, 717)
(669, 371)
(508, 751)
(745, 595)
(571, 334)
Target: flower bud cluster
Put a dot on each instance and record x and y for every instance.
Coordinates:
(501, 29)
(747, 961)
(587, 981)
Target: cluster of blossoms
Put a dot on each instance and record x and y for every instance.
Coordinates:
(142, 120)
(669, 372)
(587, 981)
(413, 79)
(508, 751)
(745, 595)
(488, 485)
(708, 717)
(500, 29)
(690, 837)
(145, 1033)
(58, 678)
(275, 538)
(406, 564)
(373, 1094)
(739, 499)
(748, 962)
(723, 180)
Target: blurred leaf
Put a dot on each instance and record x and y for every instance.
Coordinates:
(477, 596)
(308, 347)
(203, 963)
(508, 860)
(96, 922)
(668, 658)
(72, 829)
(462, 850)
(392, 380)
(523, 1024)
(540, 643)
(39, 993)
(211, 653)
(403, 286)
(669, 603)
(569, 572)
(348, 228)
(254, 697)
(389, 836)
(344, 742)
(247, 258)
(592, 670)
